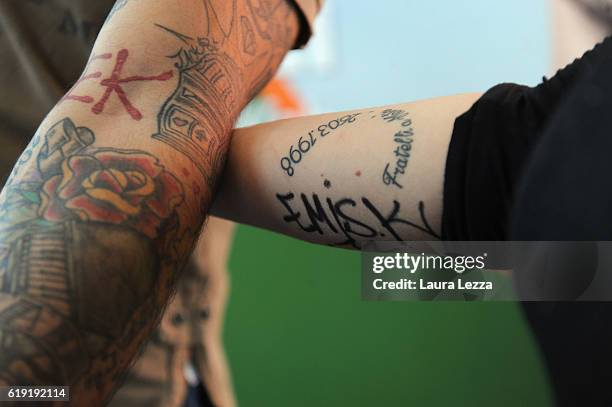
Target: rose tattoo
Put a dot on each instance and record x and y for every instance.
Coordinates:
(112, 186)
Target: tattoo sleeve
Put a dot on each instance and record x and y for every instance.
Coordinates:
(102, 209)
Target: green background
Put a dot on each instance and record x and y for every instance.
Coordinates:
(298, 334)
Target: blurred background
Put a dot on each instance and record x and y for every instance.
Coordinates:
(297, 332)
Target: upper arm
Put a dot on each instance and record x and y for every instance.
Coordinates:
(117, 181)
(345, 178)
(170, 77)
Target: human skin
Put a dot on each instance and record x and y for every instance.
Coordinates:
(103, 208)
(211, 258)
(344, 178)
(190, 331)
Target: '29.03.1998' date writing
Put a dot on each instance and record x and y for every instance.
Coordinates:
(304, 144)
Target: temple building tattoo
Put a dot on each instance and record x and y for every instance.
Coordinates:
(189, 123)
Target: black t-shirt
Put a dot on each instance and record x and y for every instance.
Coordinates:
(532, 164)
(491, 144)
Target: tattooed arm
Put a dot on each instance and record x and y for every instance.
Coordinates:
(343, 178)
(103, 207)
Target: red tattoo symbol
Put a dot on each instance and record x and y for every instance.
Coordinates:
(85, 77)
(113, 84)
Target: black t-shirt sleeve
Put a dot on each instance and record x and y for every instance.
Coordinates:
(490, 146)
(541, 154)
(486, 152)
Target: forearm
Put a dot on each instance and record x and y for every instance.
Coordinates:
(103, 208)
(344, 178)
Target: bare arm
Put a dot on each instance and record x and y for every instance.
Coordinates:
(102, 209)
(343, 178)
